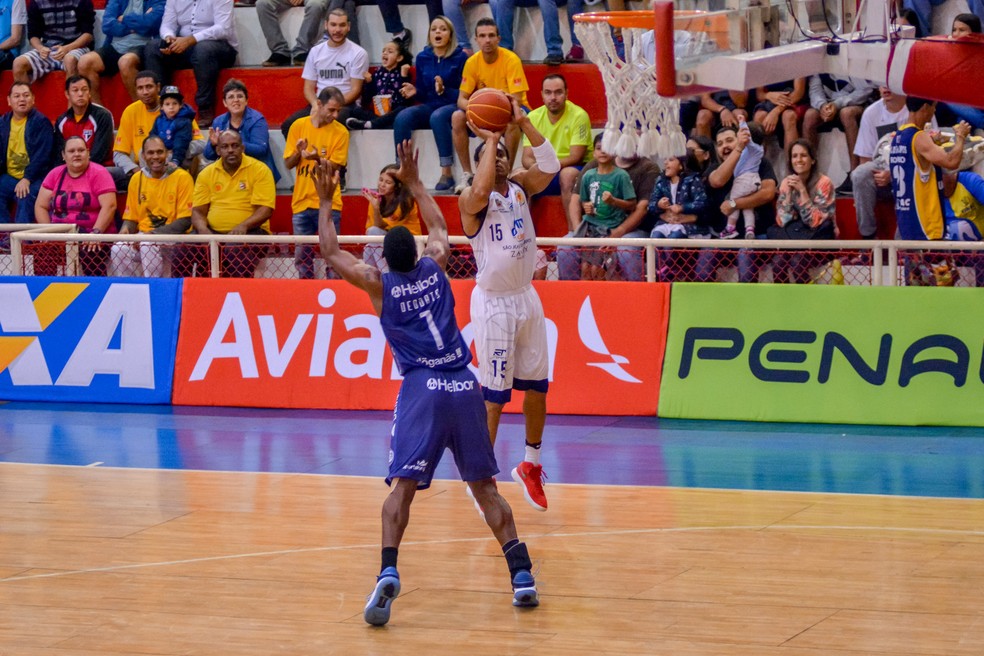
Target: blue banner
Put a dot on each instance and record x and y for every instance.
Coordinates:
(88, 339)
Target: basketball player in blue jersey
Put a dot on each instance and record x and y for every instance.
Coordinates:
(440, 405)
(917, 181)
(506, 314)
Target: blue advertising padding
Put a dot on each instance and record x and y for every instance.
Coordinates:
(88, 339)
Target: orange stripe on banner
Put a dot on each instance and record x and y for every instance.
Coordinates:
(318, 344)
(11, 348)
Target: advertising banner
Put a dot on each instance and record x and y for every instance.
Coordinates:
(798, 353)
(88, 339)
(318, 344)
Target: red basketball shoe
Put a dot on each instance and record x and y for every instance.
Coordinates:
(530, 478)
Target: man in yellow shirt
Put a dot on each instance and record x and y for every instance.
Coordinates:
(493, 67)
(568, 129)
(26, 139)
(136, 124)
(310, 140)
(158, 201)
(236, 196)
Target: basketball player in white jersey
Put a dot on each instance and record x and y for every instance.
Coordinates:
(506, 314)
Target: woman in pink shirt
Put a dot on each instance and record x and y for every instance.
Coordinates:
(79, 192)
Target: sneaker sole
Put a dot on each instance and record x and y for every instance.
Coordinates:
(377, 610)
(526, 598)
(526, 493)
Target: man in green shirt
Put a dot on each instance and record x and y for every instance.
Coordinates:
(568, 129)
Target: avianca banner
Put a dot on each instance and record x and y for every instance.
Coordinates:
(872, 355)
(318, 344)
(88, 339)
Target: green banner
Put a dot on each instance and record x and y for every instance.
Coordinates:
(827, 354)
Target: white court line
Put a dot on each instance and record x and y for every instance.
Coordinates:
(375, 545)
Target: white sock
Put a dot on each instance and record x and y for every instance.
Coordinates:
(532, 455)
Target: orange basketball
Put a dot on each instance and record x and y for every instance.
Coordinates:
(489, 109)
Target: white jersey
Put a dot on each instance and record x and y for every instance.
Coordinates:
(505, 244)
(336, 67)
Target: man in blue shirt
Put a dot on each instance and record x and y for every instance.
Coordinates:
(13, 18)
(440, 404)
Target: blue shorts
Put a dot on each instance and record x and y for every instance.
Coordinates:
(439, 410)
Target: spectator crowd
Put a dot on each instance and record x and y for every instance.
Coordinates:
(184, 164)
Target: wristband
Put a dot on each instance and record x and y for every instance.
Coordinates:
(95, 231)
(546, 158)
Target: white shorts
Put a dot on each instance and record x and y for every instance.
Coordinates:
(511, 342)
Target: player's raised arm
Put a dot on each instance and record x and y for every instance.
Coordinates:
(547, 164)
(476, 196)
(437, 246)
(348, 266)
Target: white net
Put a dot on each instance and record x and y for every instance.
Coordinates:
(640, 121)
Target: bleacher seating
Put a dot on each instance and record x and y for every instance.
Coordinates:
(277, 92)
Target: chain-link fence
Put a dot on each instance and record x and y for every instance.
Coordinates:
(828, 266)
(54, 253)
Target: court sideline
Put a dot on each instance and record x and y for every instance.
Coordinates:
(151, 530)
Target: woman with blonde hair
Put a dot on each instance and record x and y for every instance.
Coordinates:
(438, 69)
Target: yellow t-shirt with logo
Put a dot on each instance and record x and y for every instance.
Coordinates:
(411, 221)
(332, 142)
(505, 73)
(136, 124)
(572, 129)
(17, 158)
(231, 197)
(153, 203)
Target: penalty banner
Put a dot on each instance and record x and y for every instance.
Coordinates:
(870, 355)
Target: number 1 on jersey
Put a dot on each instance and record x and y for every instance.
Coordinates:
(429, 318)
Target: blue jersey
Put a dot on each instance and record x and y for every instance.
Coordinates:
(418, 319)
(917, 187)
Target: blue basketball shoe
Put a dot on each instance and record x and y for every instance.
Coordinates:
(524, 590)
(387, 588)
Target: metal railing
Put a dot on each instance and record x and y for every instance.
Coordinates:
(59, 250)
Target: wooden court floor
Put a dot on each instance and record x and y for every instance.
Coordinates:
(98, 561)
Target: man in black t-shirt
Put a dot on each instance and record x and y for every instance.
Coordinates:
(729, 142)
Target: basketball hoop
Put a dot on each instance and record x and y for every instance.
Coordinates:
(640, 120)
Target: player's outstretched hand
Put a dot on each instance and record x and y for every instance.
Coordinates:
(482, 133)
(408, 172)
(518, 113)
(325, 180)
